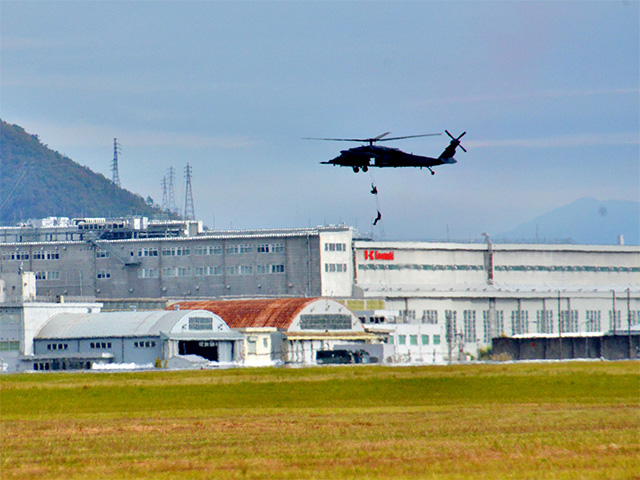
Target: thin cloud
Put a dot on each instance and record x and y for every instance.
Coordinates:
(563, 141)
(21, 43)
(73, 136)
(468, 99)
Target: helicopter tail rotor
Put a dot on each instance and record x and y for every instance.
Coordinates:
(456, 141)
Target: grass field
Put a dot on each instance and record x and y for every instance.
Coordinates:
(533, 420)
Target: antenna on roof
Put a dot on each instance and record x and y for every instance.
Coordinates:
(114, 165)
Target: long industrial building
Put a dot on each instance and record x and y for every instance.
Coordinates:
(468, 293)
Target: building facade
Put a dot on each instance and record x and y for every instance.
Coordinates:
(136, 258)
(477, 292)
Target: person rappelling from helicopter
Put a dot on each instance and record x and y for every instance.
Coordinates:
(378, 218)
(374, 189)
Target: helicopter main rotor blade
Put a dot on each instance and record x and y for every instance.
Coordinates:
(409, 136)
(379, 138)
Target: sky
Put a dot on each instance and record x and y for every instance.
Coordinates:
(548, 93)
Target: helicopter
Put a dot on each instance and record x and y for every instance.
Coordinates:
(371, 155)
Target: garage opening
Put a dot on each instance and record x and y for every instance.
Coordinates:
(203, 348)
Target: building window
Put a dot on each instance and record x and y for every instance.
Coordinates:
(544, 318)
(246, 248)
(277, 268)
(425, 339)
(263, 248)
(148, 252)
(102, 253)
(148, 273)
(232, 249)
(469, 317)
(246, 269)
(451, 326)
(430, 317)
(200, 323)
(335, 267)
(232, 270)
(176, 251)
(436, 339)
(100, 345)
(16, 256)
(569, 321)
(145, 344)
(402, 339)
(593, 323)
(413, 339)
(47, 275)
(183, 272)
(168, 272)
(103, 274)
(10, 345)
(57, 346)
(519, 322)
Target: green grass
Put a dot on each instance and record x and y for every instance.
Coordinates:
(535, 420)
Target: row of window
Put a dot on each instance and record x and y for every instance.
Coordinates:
(37, 255)
(100, 345)
(544, 323)
(146, 344)
(233, 249)
(48, 275)
(335, 247)
(498, 268)
(9, 345)
(168, 272)
(335, 267)
(57, 346)
(413, 339)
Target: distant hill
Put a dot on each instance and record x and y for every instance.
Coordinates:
(37, 182)
(585, 221)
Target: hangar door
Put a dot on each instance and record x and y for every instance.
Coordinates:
(203, 348)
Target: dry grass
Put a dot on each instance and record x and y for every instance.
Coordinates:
(569, 420)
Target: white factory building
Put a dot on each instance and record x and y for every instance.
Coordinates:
(479, 291)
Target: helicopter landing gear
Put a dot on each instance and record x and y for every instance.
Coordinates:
(356, 169)
(432, 172)
(365, 168)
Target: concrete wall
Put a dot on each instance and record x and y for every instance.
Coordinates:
(610, 347)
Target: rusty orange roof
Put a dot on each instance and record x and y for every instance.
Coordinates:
(277, 313)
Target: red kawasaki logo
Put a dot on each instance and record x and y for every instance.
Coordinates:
(376, 255)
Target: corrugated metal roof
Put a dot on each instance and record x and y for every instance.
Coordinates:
(278, 313)
(110, 324)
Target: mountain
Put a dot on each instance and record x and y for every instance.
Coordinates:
(585, 221)
(37, 182)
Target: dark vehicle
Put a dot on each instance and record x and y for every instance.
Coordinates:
(365, 156)
(326, 357)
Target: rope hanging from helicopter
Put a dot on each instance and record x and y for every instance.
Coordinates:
(378, 219)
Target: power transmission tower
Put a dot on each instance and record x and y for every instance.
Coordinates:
(189, 210)
(165, 197)
(114, 165)
(171, 197)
